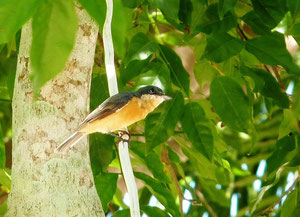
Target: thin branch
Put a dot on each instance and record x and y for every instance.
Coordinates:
(270, 209)
(208, 207)
(166, 160)
(275, 70)
(217, 68)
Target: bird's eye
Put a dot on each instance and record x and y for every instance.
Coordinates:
(151, 91)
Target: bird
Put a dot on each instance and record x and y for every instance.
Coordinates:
(117, 113)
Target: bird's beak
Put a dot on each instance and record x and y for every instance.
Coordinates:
(165, 97)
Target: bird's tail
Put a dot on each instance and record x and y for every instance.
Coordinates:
(69, 142)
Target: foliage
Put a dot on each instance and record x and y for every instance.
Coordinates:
(235, 99)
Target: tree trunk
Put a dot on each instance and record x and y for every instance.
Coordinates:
(45, 183)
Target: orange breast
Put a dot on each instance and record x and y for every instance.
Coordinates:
(129, 114)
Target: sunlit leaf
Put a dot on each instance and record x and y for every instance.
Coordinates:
(160, 192)
(2, 150)
(160, 126)
(221, 47)
(54, 28)
(230, 103)
(178, 74)
(169, 8)
(212, 23)
(271, 49)
(196, 126)
(154, 211)
(270, 11)
(13, 15)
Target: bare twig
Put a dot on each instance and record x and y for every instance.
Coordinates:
(208, 207)
(217, 68)
(166, 160)
(275, 70)
(270, 209)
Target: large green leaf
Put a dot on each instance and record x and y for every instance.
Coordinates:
(54, 27)
(2, 150)
(196, 127)
(185, 11)
(294, 8)
(221, 47)
(230, 103)
(154, 211)
(120, 21)
(160, 126)
(96, 9)
(256, 23)
(224, 6)
(160, 192)
(169, 8)
(178, 74)
(13, 15)
(106, 185)
(212, 23)
(271, 49)
(122, 213)
(156, 167)
(270, 11)
(291, 206)
(101, 152)
(284, 146)
(140, 47)
(267, 85)
(155, 73)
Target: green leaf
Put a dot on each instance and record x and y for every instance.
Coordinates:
(154, 211)
(106, 185)
(294, 8)
(131, 3)
(5, 178)
(2, 150)
(258, 80)
(160, 126)
(122, 213)
(221, 47)
(196, 127)
(256, 23)
(212, 23)
(271, 49)
(132, 69)
(120, 21)
(284, 146)
(163, 195)
(156, 167)
(270, 11)
(267, 85)
(96, 9)
(291, 206)
(99, 81)
(54, 28)
(101, 152)
(225, 6)
(13, 15)
(185, 11)
(204, 72)
(169, 8)
(157, 74)
(230, 103)
(140, 47)
(178, 74)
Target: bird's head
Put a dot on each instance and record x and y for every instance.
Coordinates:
(152, 92)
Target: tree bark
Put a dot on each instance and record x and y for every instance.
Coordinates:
(45, 183)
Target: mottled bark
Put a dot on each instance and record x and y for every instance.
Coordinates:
(44, 183)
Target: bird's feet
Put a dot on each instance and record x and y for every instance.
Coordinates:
(123, 136)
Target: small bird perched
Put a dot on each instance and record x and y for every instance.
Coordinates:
(118, 112)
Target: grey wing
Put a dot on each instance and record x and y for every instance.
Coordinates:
(108, 107)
